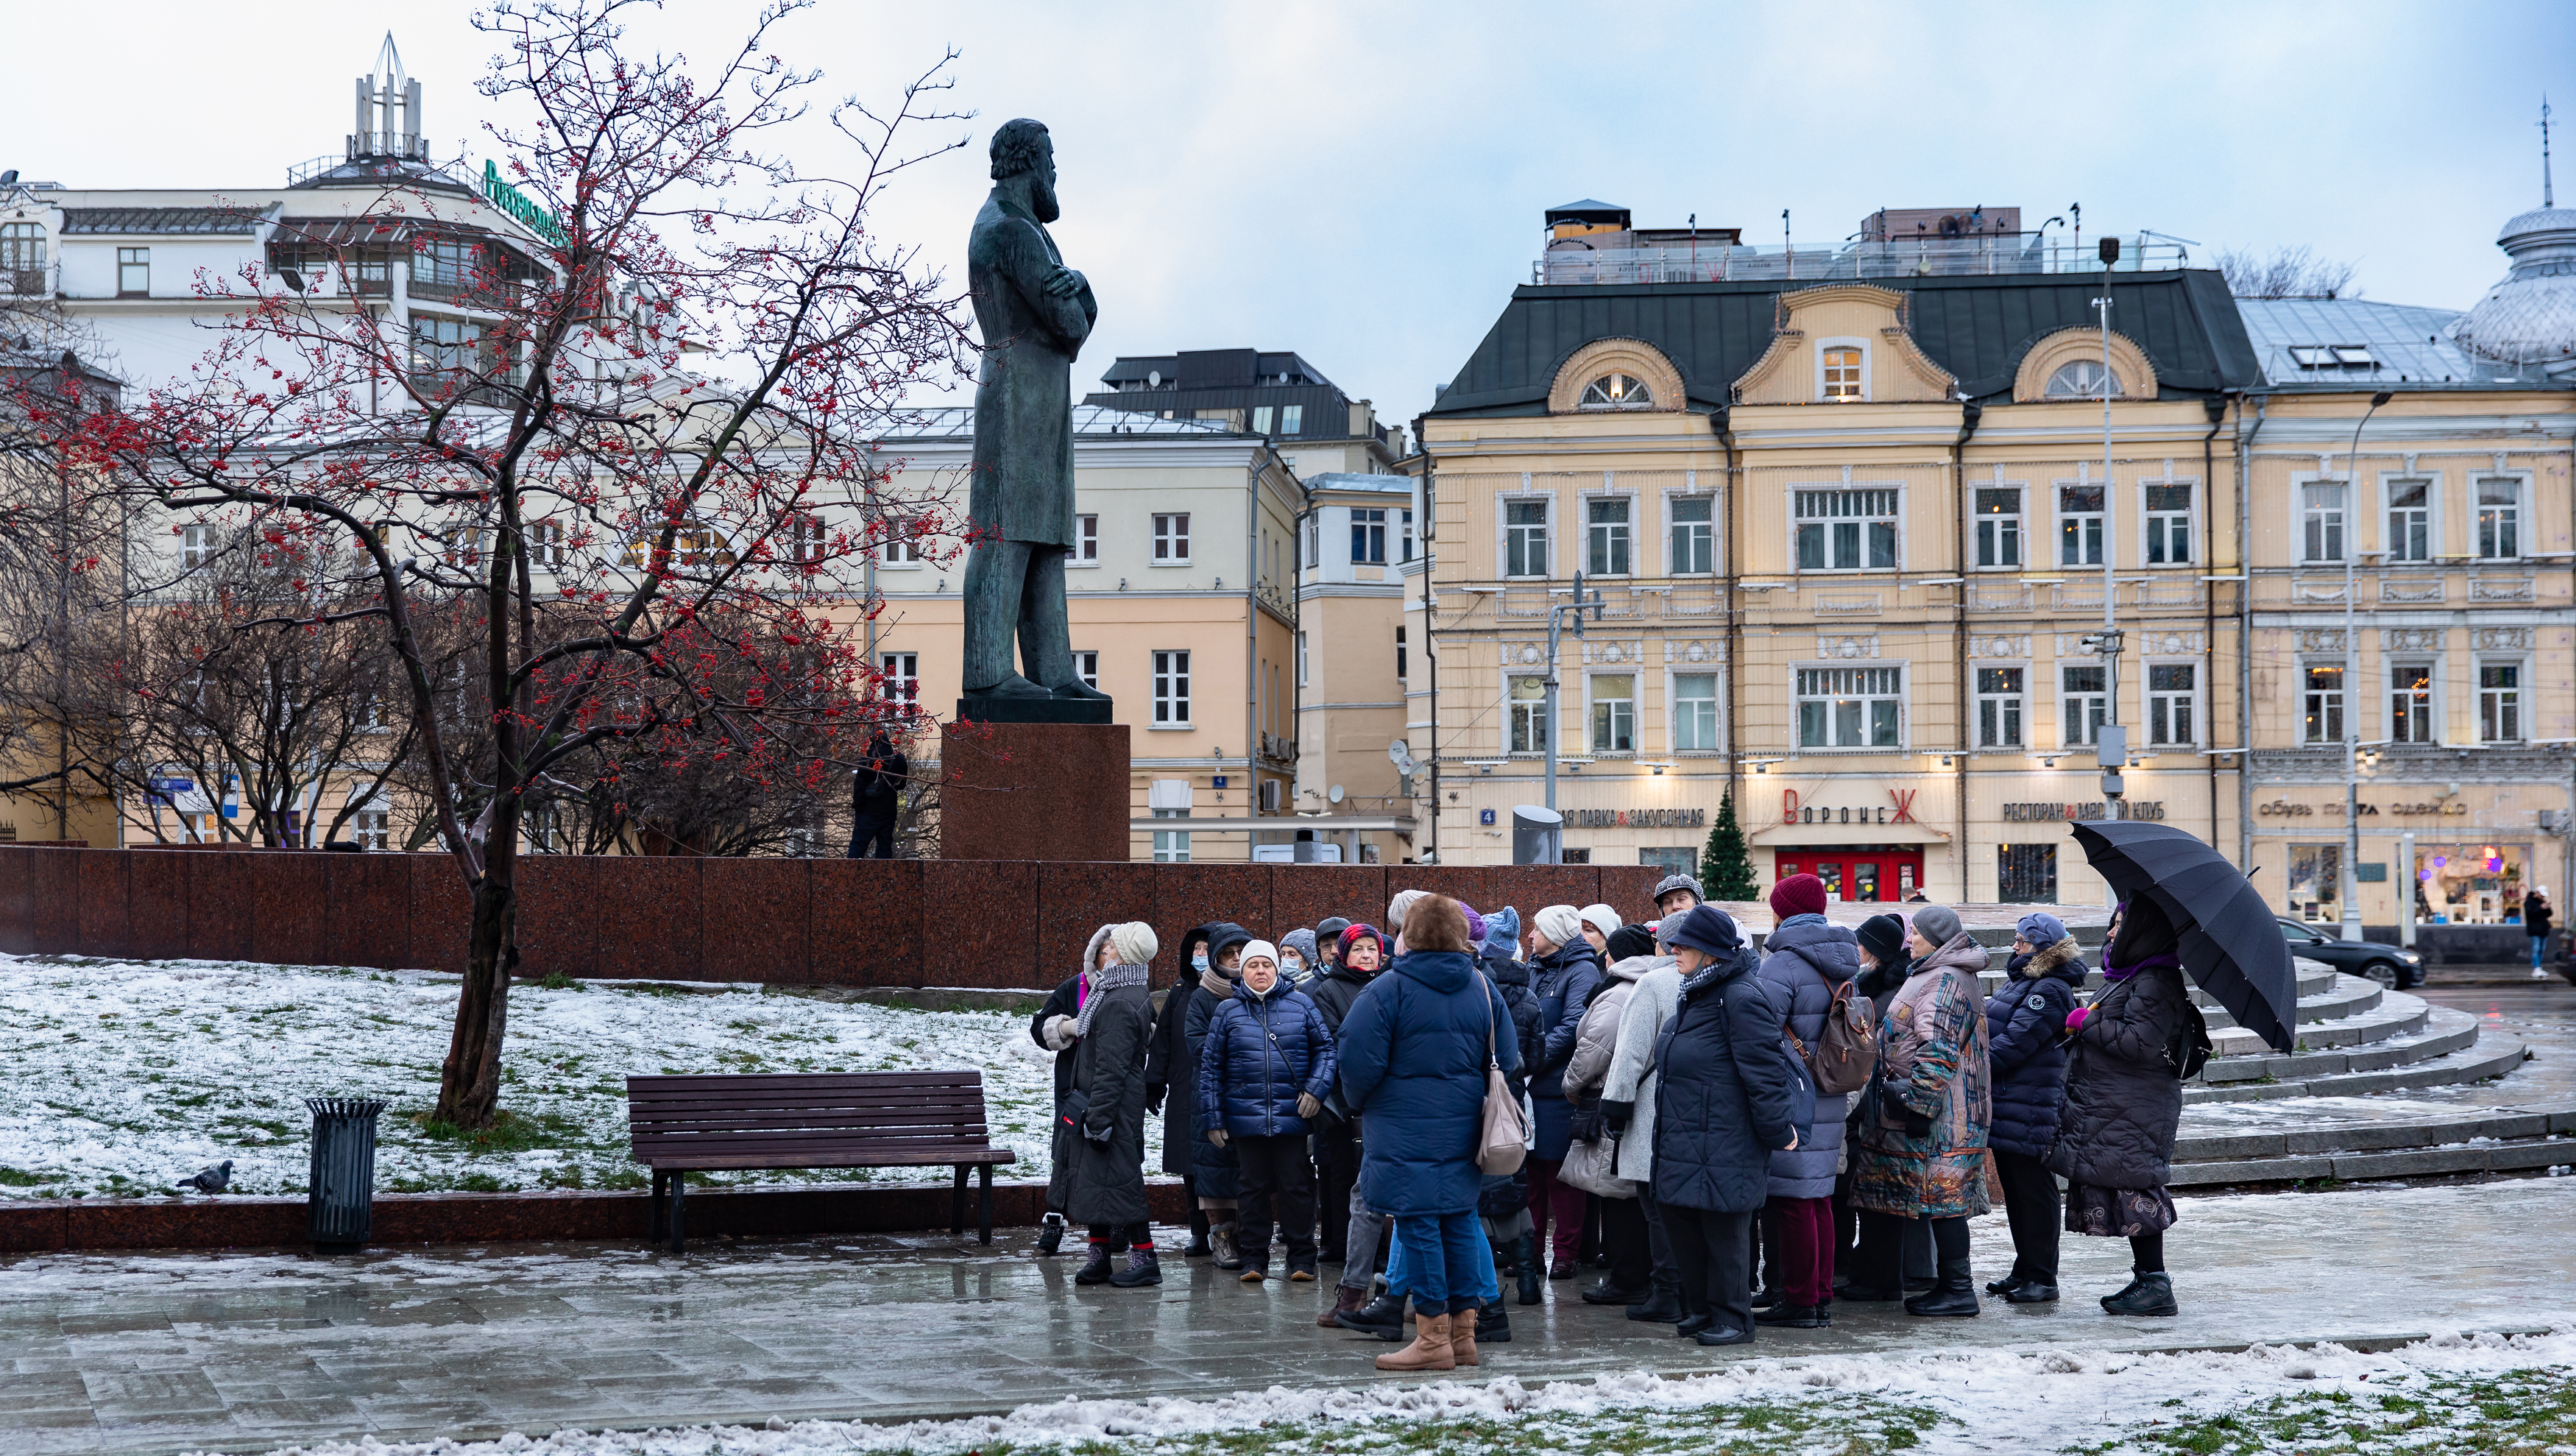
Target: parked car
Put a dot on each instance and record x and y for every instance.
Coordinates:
(2389, 965)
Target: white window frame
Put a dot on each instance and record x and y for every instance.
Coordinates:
(1715, 718)
(1894, 516)
(2521, 691)
(2431, 480)
(133, 258)
(1593, 743)
(1823, 346)
(2018, 698)
(1368, 526)
(371, 822)
(1086, 541)
(1261, 419)
(900, 553)
(1314, 538)
(547, 552)
(2193, 701)
(1407, 524)
(1292, 419)
(2334, 716)
(1171, 846)
(1303, 672)
(2151, 530)
(2300, 511)
(196, 546)
(2075, 727)
(2059, 517)
(1533, 710)
(2394, 663)
(2522, 519)
(1086, 666)
(1503, 528)
(1171, 689)
(1673, 499)
(1866, 691)
(2016, 523)
(899, 675)
(1611, 529)
(1171, 528)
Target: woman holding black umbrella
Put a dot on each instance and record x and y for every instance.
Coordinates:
(2123, 1102)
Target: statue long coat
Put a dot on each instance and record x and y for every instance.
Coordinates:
(1022, 482)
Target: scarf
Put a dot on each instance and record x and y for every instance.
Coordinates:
(1102, 982)
(1218, 983)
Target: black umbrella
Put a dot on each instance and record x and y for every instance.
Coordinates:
(2230, 942)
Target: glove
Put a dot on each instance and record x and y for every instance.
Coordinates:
(1588, 1126)
(1059, 1033)
(1216, 1137)
(1308, 1105)
(1154, 1100)
(1615, 1116)
(2075, 1019)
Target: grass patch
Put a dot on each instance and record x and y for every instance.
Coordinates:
(19, 1178)
(510, 1132)
(2524, 1413)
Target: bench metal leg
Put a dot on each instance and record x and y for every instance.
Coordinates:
(984, 1173)
(679, 1186)
(654, 1238)
(957, 1204)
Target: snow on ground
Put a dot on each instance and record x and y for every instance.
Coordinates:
(120, 1078)
(2455, 1393)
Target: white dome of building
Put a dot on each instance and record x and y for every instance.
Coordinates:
(2530, 317)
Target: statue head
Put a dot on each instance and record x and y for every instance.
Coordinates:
(1021, 148)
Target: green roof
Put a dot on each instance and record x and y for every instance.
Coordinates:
(1977, 328)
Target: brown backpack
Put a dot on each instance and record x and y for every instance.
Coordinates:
(1842, 1058)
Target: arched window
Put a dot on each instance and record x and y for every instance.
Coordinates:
(2082, 379)
(1617, 391)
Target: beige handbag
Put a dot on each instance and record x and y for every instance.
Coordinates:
(1504, 1141)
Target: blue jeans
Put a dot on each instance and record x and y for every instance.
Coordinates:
(2539, 944)
(1440, 1259)
(1489, 1289)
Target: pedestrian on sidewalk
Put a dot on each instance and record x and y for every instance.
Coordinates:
(1212, 956)
(1413, 1055)
(1628, 1114)
(2123, 1103)
(1925, 1114)
(2535, 925)
(1568, 971)
(1806, 959)
(876, 799)
(1724, 1102)
(2026, 1048)
(1267, 1064)
(1052, 1028)
(1587, 1073)
(1350, 1231)
(1111, 1036)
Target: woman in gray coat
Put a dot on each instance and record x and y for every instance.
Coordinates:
(2123, 1104)
(1803, 963)
(1107, 1189)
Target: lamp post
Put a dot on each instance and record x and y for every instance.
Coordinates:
(2110, 740)
(1555, 618)
(2351, 887)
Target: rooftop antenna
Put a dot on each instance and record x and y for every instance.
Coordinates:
(2546, 199)
(1786, 251)
(388, 110)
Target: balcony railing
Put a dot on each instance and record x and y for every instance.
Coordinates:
(1995, 253)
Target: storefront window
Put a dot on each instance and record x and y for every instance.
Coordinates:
(2470, 884)
(2316, 882)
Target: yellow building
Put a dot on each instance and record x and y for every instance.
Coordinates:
(1359, 570)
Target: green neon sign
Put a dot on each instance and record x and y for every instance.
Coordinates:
(518, 204)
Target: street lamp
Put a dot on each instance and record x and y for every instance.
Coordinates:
(2110, 740)
(2352, 681)
(1555, 620)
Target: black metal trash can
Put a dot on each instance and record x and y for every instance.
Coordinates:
(340, 1197)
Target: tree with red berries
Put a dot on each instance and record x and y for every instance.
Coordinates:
(627, 454)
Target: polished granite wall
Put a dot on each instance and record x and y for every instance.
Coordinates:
(1002, 924)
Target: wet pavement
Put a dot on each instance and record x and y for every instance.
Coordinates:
(168, 1352)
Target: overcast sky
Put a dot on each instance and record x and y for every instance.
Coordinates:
(1363, 183)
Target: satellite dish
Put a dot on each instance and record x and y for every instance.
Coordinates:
(1401, 755)
(1334, 794)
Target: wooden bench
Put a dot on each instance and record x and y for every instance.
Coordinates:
(682, 1125)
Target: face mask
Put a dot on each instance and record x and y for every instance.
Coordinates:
(1291, 966)
(1199, 961)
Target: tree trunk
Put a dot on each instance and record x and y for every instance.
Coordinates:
(469, 1083)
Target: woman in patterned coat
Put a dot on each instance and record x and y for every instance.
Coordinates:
(1925, 1113)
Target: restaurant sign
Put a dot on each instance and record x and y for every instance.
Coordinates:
(1635, 818)
(2134, 809)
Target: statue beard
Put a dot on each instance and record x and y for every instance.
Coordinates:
(1042, 200)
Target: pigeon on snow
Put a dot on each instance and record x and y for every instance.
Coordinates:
(212, 1178)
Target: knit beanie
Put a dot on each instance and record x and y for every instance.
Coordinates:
(1357, 933)
(1937, 924)
(1260, 950)
(1475, 925)
(1404, 900)
(1670, 883)
(1631, 940)
(1135, 943)
(1503, 934)
(1798, 895)
(1710, 931)
(1602, 918)
(2041, 929)
(1668, 926)
(1883, 936)
(1561, 924)
(1303, 943)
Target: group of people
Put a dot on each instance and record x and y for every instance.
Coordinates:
(1737, 1138)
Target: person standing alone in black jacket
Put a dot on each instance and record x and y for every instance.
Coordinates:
(876, 796)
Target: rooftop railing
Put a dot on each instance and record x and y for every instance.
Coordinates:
(1715, 262)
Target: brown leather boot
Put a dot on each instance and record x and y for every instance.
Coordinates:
(1347, 1299)
(1462, 1337)
(1429, 1350)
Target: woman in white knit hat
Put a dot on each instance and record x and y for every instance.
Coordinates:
(1107, 1190)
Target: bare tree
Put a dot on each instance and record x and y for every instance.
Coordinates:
(551, 422)
(2287, 273)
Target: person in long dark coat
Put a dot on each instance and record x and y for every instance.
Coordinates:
(1805, 960)
(1723, 1104)
(2123, 1104)
(1107, 1190)
(1052, 1028)
(1212, 970)
(876, 799)
(1923, 1117)
(1504, 1201)
(1568, 971)
(2026, 1047)
(1164, 1062)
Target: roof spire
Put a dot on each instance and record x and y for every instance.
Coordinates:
(2546, 199)
(388, 111)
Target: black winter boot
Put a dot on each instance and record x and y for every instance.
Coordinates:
(1954, 1293)
(1198, 1248)
(1096, 1270)
(1493, 1325)
(1382, 1317)
(1142, 1269)
(1662, 1307)
(1051, 1234)
(2149, 1294)
(1525, 1259)
(2031, 1291)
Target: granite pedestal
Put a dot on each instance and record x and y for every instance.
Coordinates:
(1034, 791)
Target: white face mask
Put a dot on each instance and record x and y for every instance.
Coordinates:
(1289, 965)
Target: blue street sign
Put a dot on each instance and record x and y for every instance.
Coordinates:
(1484, 816)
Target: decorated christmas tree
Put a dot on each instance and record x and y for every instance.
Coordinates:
(1725, 869)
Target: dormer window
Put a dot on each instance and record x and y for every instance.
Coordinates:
(2082, 379)
(1842, 373)
(1617, 391)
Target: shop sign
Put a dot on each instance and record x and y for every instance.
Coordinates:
(1900, 810)
(2285, 809)
(2100, 809)
(1635, 818)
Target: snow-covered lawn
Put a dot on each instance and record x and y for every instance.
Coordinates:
(121, 1078)
(2479, 1394)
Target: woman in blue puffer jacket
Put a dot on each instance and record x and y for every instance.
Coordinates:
(1263, 1071)
(2026, 1049)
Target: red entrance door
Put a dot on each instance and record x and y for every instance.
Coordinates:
(1858, 873)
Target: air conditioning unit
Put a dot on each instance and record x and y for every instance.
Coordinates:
(1270, 796)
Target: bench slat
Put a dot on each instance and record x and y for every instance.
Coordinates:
(803, 1080)
(725, 1164)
